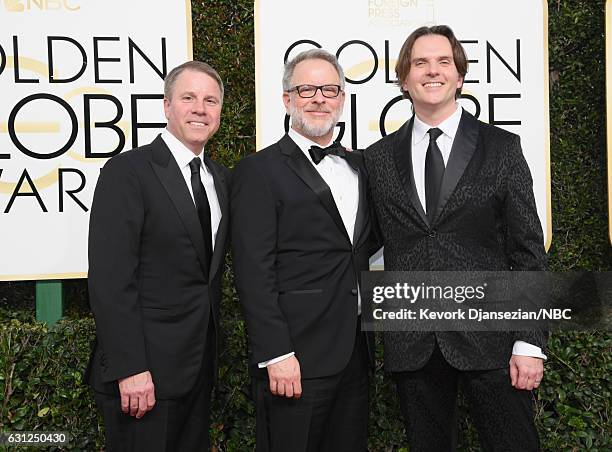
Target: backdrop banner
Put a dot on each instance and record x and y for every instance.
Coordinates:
(81, 81)
(506, 85)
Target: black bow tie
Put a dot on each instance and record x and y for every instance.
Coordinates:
(317, 153)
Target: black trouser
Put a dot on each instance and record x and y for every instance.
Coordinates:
(172, 425)
(502, 415)
(331, 415)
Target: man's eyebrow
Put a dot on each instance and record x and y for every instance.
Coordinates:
(193, 94)
(443, 57)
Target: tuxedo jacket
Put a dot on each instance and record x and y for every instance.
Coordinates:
(486, 219)
(296, 269)
(148, 292)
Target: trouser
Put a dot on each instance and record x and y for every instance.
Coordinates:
(503, 416)
(180, 424)
(331, 415)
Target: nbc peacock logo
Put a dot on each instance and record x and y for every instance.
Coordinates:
(13, 6)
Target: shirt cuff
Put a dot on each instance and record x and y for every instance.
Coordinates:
(275, 360)
(526, 349)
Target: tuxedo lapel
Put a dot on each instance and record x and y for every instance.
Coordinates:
(362, 207)
(402, 154)
(222, 196)
(170, 176)
(298, 162)
(462, 151)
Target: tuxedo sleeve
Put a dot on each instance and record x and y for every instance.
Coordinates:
(524, 238)
(375, 238)
(254, 241)
(115, 223)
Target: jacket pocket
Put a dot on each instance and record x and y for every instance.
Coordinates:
(301, 292)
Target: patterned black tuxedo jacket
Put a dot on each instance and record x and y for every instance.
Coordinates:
(486, 220)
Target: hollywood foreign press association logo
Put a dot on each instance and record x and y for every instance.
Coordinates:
(401, 12)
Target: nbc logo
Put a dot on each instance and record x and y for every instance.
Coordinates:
(18, 6)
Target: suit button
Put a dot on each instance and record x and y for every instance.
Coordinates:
(354, 292)
(432, 233)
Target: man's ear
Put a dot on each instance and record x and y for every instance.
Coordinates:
(166, 106)
(404, 83)
(460, 83)
(286, 101)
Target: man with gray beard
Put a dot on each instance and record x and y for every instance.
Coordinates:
(301, 237)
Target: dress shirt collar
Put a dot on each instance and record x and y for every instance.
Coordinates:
(181, 153)
(448, 127)
(304, 143)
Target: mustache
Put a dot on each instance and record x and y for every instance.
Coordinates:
(319, 110)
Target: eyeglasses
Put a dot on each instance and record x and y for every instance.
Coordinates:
(308, 91)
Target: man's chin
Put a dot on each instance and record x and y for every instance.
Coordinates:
(318, 131)
(196, 142)
(200, 137)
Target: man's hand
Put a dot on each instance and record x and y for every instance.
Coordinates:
(526, 372)
(285, 378)
(137, 394)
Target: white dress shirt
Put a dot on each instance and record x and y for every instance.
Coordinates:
(339, 176)
(183, 156)
(420, 143)
(343, 183)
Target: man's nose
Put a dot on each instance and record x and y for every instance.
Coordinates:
(433, 69)
(319, 97)
(199, 108)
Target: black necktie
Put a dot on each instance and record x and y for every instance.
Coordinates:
(434, 172)
(317, 154)
(202, 206)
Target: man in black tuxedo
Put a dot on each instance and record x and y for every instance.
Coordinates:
(300, 235)
(453, 193)
(157, 239)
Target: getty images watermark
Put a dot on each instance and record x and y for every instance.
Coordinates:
(485, 301)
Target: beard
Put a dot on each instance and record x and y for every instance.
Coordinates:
(314, 128)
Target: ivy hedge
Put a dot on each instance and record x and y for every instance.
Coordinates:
(41, 385)
(41, 388)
